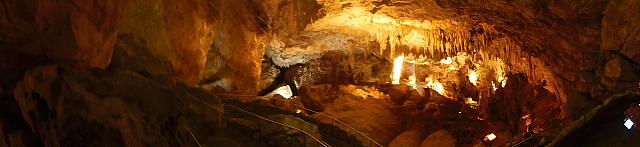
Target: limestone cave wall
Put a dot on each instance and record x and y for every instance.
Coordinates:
(586, 50)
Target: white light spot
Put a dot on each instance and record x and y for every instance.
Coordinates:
(490, 137)
(435, 85)
(628, 123)
(298, 111)
(459, 112)
(284, 91)
(494, 86)
(296, 83)
(446, 61)
(397, 69)
(473, 77)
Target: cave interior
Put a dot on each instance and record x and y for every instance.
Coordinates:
(397, 73)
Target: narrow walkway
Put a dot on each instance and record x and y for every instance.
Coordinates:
(238, 109)
(322, 143)
(372, 143)
(336, 121)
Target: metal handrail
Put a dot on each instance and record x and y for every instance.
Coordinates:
(545, 130)
(322, 114)
(281, 124)
(263, 118)
(337, 120)
(194, 137)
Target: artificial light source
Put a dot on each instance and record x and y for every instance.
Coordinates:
(470, 101)
(493, 85)
(412, 81)
(298, 111)
(490, 137)
(446, 61)
(397, 69)
(628, 123)
(435, 85)
(473, 77)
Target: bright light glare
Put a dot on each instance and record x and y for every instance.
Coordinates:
(397, 69)
(435, 85)
(446, 61)
(490, 137)
(628, 123)
(473, 77)
(493, 85)
(470, 101)
(504, 83)
(284, 91)
(501, 77)
(298, 111)
(412, 81)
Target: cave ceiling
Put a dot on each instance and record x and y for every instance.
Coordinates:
(566, 41)
(554, 41)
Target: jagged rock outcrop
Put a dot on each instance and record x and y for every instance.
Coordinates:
(179, 32)
(82, 33)
(399, 93)
(584, 50)
(316, 97)
(618, 31)
(621, 43)
(69, 107)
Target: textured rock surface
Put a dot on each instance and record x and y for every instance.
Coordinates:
(316, 97)
(408, 138)
(67, 106)
(338, 67)
(282, 136)
(179, 32)
(360, 113)
(618, 31)
(439, 138)
(584, 49)
(239, 39)
(399, 93)
(78, 32)
(132, 54)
